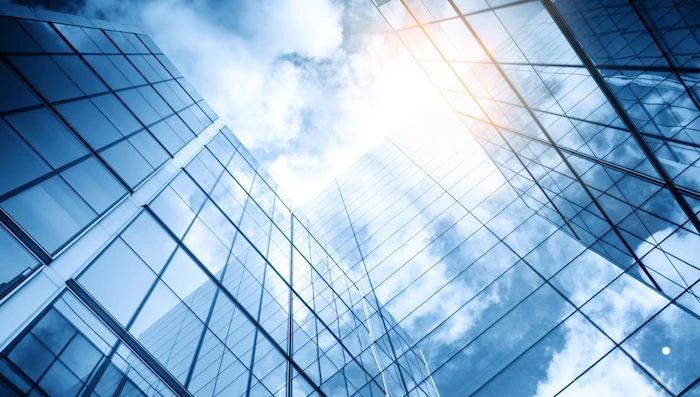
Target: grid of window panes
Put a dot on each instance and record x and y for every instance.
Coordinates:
(68, 351)
(213, 297)
(496, 299)
(206, 292)
(88, 111)
(589, 108)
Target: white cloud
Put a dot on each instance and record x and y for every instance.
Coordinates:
(615, 375)
(307, 86)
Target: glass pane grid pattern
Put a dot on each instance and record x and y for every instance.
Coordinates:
(546, 253)
(584, 108)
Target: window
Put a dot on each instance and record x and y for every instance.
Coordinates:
(69, 213)
(95, 184)
(46, 36)
(80, 73)
(117, 113)
(15, 261)
(15, 93)
(16, 155)
(124, 45)
(127, 69)
(128, 163)
(139, 106)
(90, 123)
(46, 77)
(21, 41)
(119, 280)
(109, 73)
(101, 41)
(54, 142)
(78, 38)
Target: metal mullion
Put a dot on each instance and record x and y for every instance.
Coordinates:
(598, 78)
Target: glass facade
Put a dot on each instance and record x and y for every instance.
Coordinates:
(548, 250)
(588, 108)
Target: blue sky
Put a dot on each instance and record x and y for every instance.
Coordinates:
(308, 86)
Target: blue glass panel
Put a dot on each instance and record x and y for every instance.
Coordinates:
(31, 356)
(124, 45)
(17, 155)
(90, 123)
(127, 162)
(107, 71)
(117, 113)
(69, 213)
(127, 70)
(15, 261)
(119, 280)
(78, 38)
(95, 184)
(101, 41)
(148, 239)
(46, 36)
(81, 357)
(60, 381)
(54, 331)
(142, 109)
(21, 41)
(54, 142)
(80, 73)
(17, 95)
(46, 77)
(150, 44)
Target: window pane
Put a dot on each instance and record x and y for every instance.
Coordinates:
(16, 155)
(90, 123)
(15, 261)
(80, 73)
(15, 94)
(95, 184)
(46, 36)
(128, 163)
(46, 77)
(60, 381)
(119, 280)
(150, 241)
(69, 213)
(54, 331)
(78, 39)
(21, 41)
(48, 136)
(31, 356)
(109, 73)
(81, 357)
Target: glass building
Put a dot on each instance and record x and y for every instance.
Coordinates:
(548, 250)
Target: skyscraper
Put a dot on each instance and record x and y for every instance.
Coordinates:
(145, 251)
